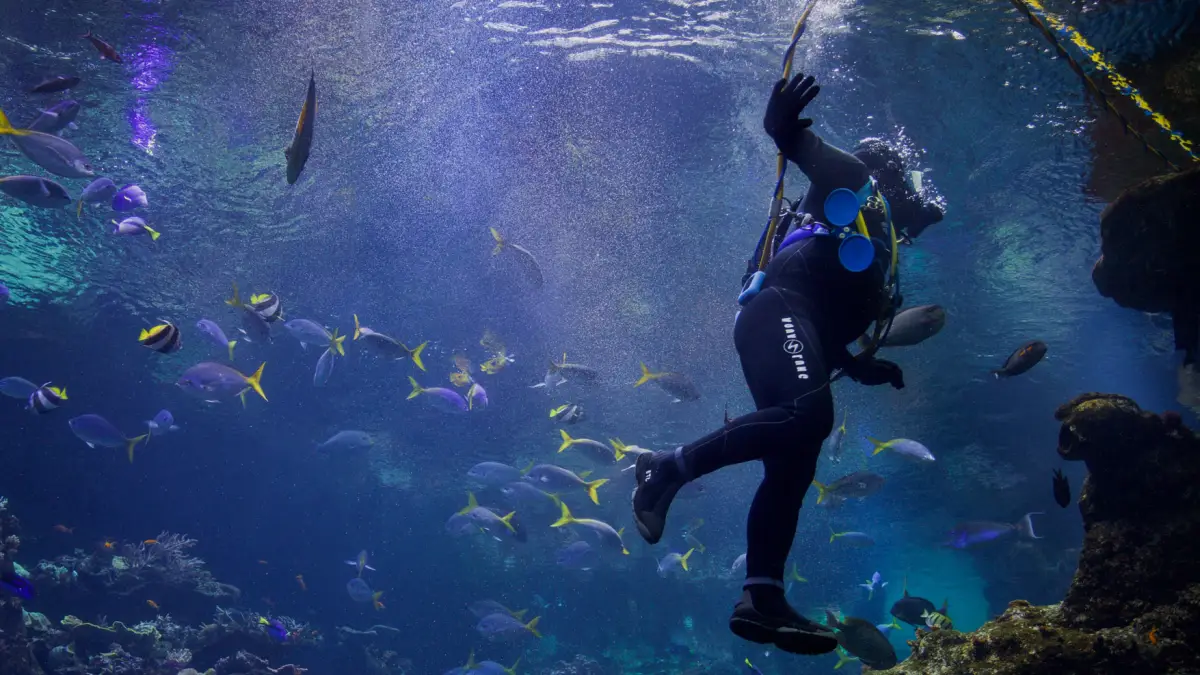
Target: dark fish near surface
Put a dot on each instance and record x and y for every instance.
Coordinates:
(56, 118)
(106, 50)
(676, 384)
(297, 152)
(912, 609)
(56, 83)
(529, 261)
(1062, 489)
(858, 485)
(915, 325)
(1022, 360)
(163, 338)
(35, 191)
(862, 639)
(981, 531)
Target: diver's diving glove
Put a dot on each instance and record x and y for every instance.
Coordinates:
(873, 372)
(782, 121)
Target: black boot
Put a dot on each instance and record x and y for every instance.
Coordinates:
(763, 616)
(658, 479)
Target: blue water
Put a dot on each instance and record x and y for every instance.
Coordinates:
(621, 143)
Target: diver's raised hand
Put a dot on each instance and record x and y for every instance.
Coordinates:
(782, 121)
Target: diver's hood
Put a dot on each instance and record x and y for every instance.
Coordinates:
(911, 211)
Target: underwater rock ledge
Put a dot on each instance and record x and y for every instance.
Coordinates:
(1134, 604)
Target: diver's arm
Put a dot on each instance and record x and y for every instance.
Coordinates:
(827, 166)
(868, 370)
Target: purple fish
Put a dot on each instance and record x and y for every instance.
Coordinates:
(578, 556)
(503, 627)
(17, 387)
(162, 424)
(57, 117)
(97, 431)
(209, 379)
(214, 333)
(15, 584)
(129, 198)
(324, 368)
(35, 191)
(5, 294)
(476, 396)
(981, 531)
(134, 226)
(443, 399)
(99, 190)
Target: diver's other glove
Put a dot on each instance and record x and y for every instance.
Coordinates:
(782, 121)
(873, 372)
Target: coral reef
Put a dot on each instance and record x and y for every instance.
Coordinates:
(120, 578)
(16, 652)
(1135, 601)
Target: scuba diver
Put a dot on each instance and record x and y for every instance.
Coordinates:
(831, 276)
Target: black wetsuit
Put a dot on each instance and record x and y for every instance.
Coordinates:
(790, 337)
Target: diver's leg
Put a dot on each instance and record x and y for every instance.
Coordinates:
(787, 376)
(763, 614)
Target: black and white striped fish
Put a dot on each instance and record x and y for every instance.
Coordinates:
(163, 338)
(46, 398)
(267, 306)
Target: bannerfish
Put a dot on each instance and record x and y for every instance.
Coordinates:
(268, 306)
(46, 398)
(297, 152)
(35, 191)
(164, 338)
(676, 384)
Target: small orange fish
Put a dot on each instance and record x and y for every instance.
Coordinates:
(150, 542)
(300, 580)
(109, 545)
(64, 529)
(375, 600)
(1153, 636)
(152, 604)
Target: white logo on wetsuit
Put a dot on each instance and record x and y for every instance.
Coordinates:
(793, 346)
